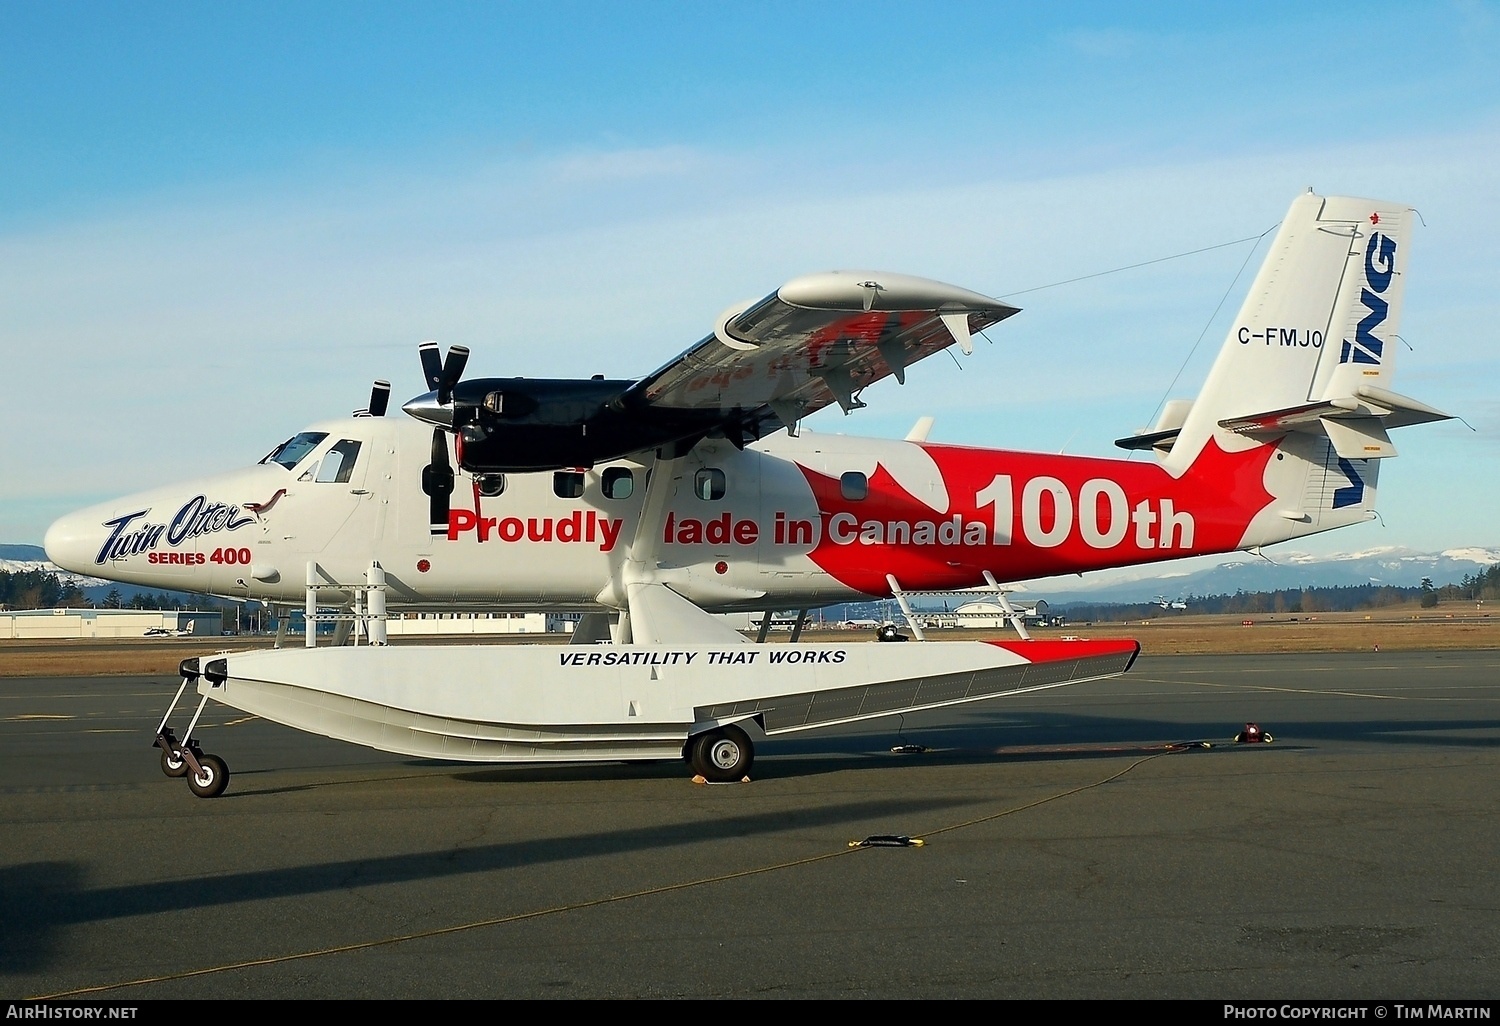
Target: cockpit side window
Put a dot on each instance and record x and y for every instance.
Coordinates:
(290, 452)
(338, 462)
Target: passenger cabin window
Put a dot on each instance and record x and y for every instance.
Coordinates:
(290, 452)
(490, 485)
(709, 484)
(854, 486)
(338, 462)
(618, 483)
(567, 484)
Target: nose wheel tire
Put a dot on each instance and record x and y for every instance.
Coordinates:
(209, 783)
(723, 755)
(173, 764)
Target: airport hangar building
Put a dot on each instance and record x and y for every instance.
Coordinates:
(108, 623)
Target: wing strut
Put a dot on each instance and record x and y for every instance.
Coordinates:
(801, 622)
(654, 614)
(1010, 613)
(911, 618)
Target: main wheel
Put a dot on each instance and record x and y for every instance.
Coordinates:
(722, 755)
(173, 764)
(210, 783)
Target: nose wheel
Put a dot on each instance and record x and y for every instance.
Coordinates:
(207, 775)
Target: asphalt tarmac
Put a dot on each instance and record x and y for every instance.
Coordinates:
(1077, 844)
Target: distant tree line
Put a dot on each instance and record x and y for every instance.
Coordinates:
(140, 600)
(43, 589)
(37, 589)
(1484, 584)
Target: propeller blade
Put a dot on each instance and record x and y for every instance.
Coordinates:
(380, 398)
(437, 482)
(453, 368)
(432, 364)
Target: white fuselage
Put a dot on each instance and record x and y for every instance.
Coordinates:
(785, 523)
(739, 527)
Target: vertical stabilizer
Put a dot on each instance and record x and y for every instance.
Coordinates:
(1316, 324)
(1306, 369)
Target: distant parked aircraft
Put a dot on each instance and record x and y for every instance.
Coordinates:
(163, 632)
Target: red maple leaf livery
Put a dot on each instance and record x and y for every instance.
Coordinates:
(1024, 515)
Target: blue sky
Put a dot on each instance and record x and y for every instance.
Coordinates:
(218, 222)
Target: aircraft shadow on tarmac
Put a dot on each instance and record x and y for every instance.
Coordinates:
(1001, 737)
(998, 733)
(36, 899)
(984, 738)
(1062, 738)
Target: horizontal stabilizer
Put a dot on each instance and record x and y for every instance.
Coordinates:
(1150, 440)
(1164, 432)
(1403, 411)
(1356, 425)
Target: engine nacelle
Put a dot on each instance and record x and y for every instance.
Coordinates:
(522, 424)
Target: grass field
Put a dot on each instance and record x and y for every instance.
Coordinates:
(1396, 629)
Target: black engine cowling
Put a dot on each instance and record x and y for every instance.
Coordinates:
(522, 424)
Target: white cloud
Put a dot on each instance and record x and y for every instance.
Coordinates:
(1108, 43)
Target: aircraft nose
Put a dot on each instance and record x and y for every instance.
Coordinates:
(72, 542)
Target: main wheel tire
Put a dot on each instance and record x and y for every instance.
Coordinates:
(210, 783)
(723, 755)
(173, 764)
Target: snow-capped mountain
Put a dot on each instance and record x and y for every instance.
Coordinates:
(16, 559)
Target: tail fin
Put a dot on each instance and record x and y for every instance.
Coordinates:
(1317, 324)
(1307, 367)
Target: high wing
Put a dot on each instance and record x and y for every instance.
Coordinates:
(819, 339)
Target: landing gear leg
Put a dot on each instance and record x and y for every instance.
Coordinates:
(207, 775)
(722, 755)
(172, 763)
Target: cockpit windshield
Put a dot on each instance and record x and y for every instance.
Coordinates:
(290, 452)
